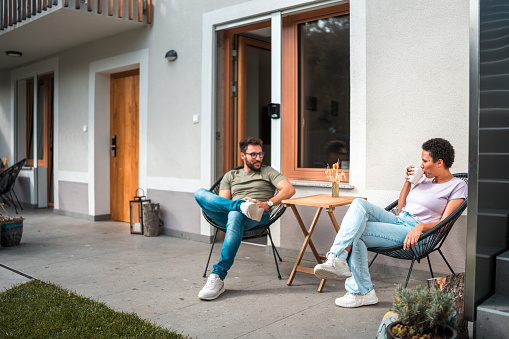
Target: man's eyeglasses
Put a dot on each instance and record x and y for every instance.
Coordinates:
(254, 155)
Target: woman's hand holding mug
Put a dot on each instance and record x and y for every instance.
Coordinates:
(414, 174)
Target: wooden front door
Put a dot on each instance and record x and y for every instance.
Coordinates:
(124, 136)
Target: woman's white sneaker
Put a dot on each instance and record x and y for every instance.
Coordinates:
(357, 300)
(334, 268)
(212, 289)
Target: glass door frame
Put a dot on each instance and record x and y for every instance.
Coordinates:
(233, 117)
(32, 98)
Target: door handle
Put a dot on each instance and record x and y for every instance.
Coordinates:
(113, 146)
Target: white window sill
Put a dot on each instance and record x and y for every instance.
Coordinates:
(310, 183)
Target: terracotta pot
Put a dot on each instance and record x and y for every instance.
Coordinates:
(446, 330)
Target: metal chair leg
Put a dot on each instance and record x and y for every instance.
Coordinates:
(443, 257)
(15, 207)
(429, 263)
(210, 254)
(6, 199)
(274, 251)
(409, 272)
(270, 237)
(376, 255)
(20, 206)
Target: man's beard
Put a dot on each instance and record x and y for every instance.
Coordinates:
(251, 166)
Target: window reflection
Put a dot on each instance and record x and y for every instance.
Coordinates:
(324, 93)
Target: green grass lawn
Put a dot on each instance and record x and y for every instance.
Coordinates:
(42, 310)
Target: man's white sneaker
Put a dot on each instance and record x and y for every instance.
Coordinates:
(212, 289)
(334, 268)
(251, 210)
(357, 300)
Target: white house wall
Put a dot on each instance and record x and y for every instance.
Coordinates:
(417, 88)
(73, 104)
(409, 83)
(417, 84)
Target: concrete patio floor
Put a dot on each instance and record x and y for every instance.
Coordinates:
(159, 278)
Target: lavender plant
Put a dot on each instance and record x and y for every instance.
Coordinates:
(421, 310)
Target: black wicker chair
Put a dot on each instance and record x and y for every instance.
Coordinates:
(7, 181)
(275, 213)
(429, 241)
(4, 184)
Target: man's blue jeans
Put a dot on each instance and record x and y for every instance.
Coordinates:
(367, 225)
(227, 213)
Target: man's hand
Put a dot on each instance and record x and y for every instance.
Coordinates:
(262, 204)
(286, 191)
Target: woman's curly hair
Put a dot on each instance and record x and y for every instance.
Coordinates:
(439, 148)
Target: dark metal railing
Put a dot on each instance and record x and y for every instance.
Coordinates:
(13, 12)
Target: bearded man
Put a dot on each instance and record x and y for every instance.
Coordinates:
(245, 196)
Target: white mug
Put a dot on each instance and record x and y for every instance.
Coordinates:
(416, 176)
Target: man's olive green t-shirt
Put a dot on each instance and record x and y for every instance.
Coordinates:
(256, 185)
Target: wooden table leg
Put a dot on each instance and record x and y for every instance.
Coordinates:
(322, 284)
(311, 230)
(333, 219)
(336, 227)
(307, 241)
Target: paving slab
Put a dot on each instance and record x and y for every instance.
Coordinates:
(159, 278)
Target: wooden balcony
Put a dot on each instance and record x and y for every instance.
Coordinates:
(40, 28)
(14, 12)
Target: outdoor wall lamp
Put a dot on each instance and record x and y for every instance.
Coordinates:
(171, 55)
(13, 53)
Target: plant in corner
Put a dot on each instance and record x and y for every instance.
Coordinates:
(11, 229)
(424, 314)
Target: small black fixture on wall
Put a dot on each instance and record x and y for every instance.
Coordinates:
(274, 110)
(171, 55)
(13, 53)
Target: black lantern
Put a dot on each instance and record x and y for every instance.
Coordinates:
(136, 212)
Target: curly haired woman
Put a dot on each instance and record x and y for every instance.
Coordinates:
(436, 195)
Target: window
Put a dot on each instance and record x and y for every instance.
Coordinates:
(316, 93)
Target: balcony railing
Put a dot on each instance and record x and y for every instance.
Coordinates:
(13, 12)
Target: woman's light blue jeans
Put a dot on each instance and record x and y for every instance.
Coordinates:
(227, 213)
(367, 225)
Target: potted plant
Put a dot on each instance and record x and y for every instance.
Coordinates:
(424, 314)
(11, 229)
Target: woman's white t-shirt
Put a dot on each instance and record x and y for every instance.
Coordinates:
(426, 201)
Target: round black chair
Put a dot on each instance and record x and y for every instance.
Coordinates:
(275, 213)
(429, 241)
(7, 181)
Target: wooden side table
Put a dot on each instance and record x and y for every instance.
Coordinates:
(320, 201)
